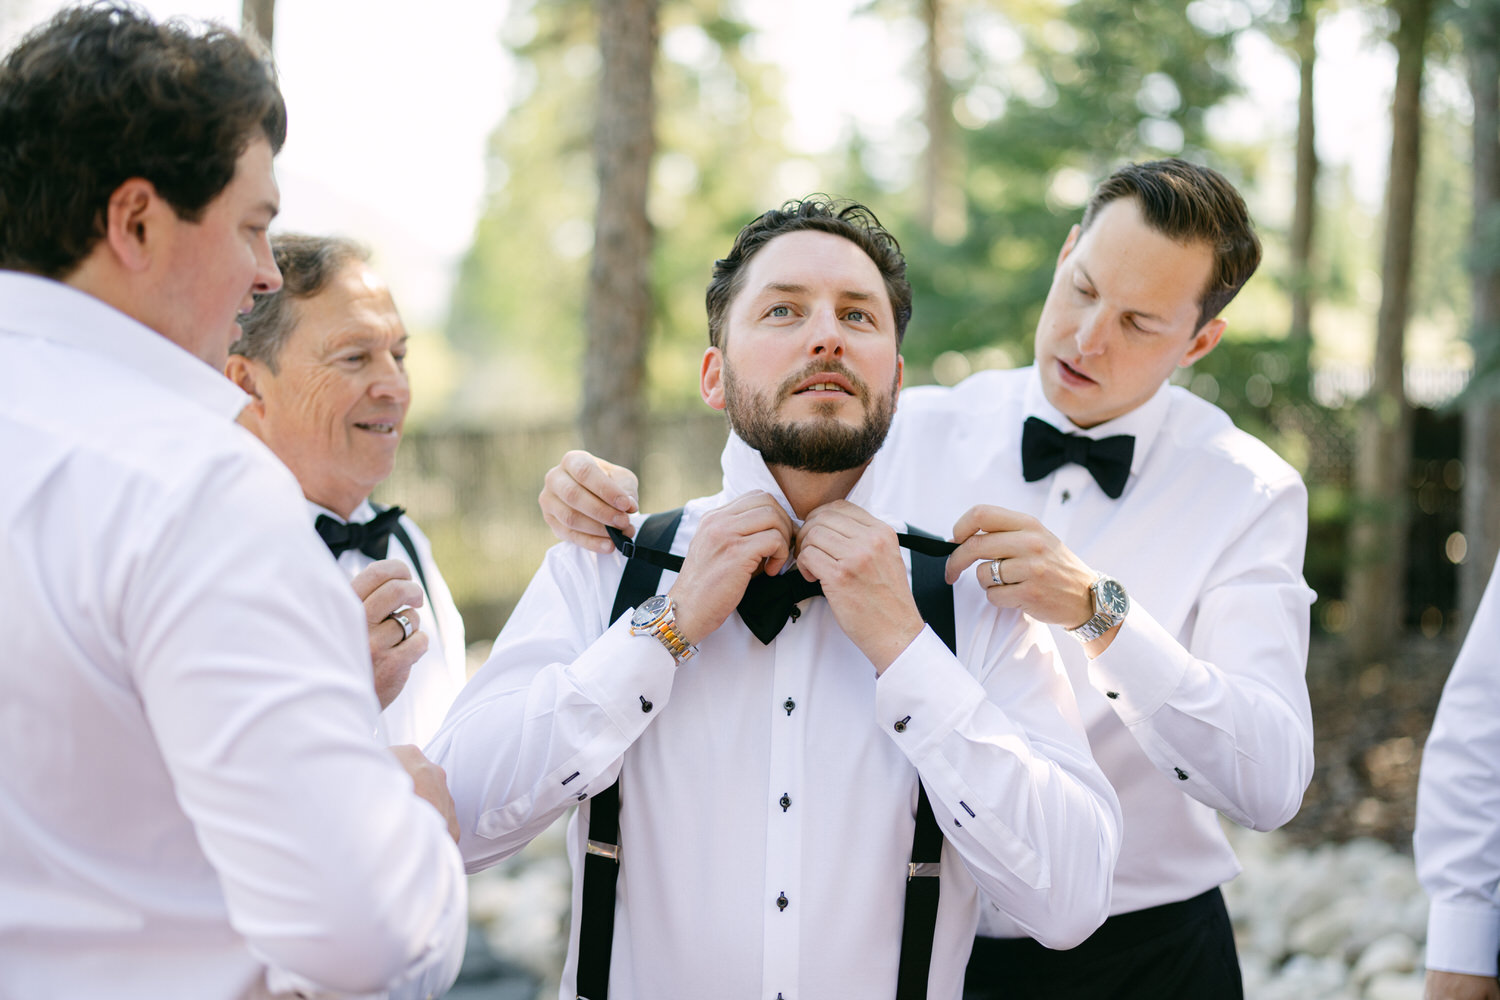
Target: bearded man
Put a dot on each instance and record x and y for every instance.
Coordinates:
(773, 808)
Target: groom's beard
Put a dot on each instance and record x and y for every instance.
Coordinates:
(820, 443)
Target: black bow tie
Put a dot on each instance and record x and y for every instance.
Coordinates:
(371, 537)
(1044, 448)
(769, 601)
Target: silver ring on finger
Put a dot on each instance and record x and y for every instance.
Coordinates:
(999, 581)
(404, 622)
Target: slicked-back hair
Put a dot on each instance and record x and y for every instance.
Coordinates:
(307, 265)
(1190, 204)
(101, 94)
(815, 213)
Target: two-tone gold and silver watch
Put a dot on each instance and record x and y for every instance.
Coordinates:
(658, 616)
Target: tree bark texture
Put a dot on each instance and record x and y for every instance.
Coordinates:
(619, 290)
(1304, 209)
(942, 193)
(1481, 454)
(258, 17)
(1378, 527)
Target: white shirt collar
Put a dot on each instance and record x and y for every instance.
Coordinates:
(360, 514)
(1143, 423)
(745, 470)
(52, 311)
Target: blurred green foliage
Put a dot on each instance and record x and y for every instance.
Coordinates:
(1049, 96)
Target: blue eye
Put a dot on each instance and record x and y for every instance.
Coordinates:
(780, 311)
(857, 316)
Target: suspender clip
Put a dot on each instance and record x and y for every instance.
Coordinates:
(919, 869)
(611, 851)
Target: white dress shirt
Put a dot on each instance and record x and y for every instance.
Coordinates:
(1457, 839)
(192, 805)
(414, 715)
(705, 751)
(1200, 703)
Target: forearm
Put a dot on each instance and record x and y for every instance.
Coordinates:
(1457, 838)
(1233, 729)
(525, 743)
(258, 695)
(1012, 786)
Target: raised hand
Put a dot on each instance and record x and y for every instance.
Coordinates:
(855, 556)
(581, 494)
(749, 535)
(385, 587)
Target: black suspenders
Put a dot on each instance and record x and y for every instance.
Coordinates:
(601, 860)
(935, 601)
(404, 538)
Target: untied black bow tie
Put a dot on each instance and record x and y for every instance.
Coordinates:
(769, 601)
(371, 537)
(1044, 448)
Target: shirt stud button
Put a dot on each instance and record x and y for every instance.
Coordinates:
(786, 802)
(789, 704)
(1181, 774)
(900, 726)
(781, 901)
(1111, 694)
(645, 705)
(1066, 496)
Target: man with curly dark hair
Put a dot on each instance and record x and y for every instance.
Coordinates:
(194, 806)
(794, 781)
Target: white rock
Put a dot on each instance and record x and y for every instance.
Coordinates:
(1392, 953)
(1327, 932)
(1306, 976)
(1391, 986)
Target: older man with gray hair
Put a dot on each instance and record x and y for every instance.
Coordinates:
(324, 363)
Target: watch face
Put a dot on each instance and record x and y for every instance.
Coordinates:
(649, 611)
(1112, 598)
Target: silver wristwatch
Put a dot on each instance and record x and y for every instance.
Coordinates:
(1111, 604)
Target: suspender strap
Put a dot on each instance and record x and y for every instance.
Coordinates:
(401, 535)
(935, 601)
(601, 861)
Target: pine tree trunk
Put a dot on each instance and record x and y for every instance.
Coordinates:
(619, 289)
(942, 194)
(1304, 210)
(1377, 534)
(1481, 456)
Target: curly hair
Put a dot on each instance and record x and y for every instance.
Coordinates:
(101, 94)
(1191, 204)
(815, 213)
(307, 264)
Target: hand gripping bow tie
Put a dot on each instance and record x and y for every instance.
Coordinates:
(769, 600)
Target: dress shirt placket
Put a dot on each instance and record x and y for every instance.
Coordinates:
(783, 926)
(1067, 487)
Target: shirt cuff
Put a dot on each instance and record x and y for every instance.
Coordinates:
(628, 676)
(924, 694)
(1141, 668)
(1463, 938)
